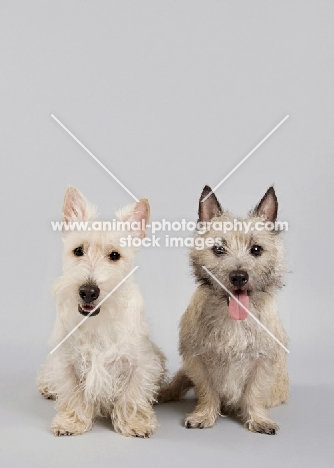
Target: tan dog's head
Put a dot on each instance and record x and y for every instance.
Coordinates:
(246, 260)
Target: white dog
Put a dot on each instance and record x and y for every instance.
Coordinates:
(109, 365)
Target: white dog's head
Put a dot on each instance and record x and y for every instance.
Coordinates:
(94, 262)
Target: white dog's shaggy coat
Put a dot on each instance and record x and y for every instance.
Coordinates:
(109, 365)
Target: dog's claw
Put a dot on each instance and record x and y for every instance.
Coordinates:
(268, 428)
(60, 433)
(196, 423)
(143, 436)
(268, 432)
(188, 425)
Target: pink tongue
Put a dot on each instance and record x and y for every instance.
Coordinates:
(236, 311)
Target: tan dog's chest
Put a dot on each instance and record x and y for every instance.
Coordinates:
(229, 352)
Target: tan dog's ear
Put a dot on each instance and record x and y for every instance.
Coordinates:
(268, 206)
(209, 206)
(76, 207)
(137, 215)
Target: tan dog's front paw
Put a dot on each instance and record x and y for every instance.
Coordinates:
(67, 426)
(263, 426)
(199, 420)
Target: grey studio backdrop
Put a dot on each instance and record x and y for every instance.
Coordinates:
(170, 96)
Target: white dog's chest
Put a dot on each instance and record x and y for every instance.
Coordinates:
(103, 375)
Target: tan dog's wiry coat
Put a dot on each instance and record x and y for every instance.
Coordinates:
(234, 365)
(108, 366)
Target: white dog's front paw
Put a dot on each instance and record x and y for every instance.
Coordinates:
(58, 431)
(63, 425)
(141, 425)
(136, 428)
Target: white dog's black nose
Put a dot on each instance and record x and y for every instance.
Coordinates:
(89, 292)
(238, 278)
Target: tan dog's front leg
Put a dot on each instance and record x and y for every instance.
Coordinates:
(254, 398)
(207, 408)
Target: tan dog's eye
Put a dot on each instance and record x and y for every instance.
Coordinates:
(218, 250)
(114, 256)
(256, 250)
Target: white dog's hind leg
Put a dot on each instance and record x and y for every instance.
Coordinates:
(44, 384)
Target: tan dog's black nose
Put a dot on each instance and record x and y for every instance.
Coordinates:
(89, 292)
(238, 278)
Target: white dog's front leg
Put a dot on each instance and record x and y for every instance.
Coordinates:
(75, 414)
(132, 414)
(134, 420)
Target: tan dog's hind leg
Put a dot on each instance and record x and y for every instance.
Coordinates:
(176, 389)
(280, 390)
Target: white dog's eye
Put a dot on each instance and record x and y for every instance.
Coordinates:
(78, 251)
(114, 256)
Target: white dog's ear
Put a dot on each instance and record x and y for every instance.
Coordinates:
(76, 207)
(268, 206)
(137, 215)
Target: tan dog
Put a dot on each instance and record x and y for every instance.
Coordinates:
(232, 362)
